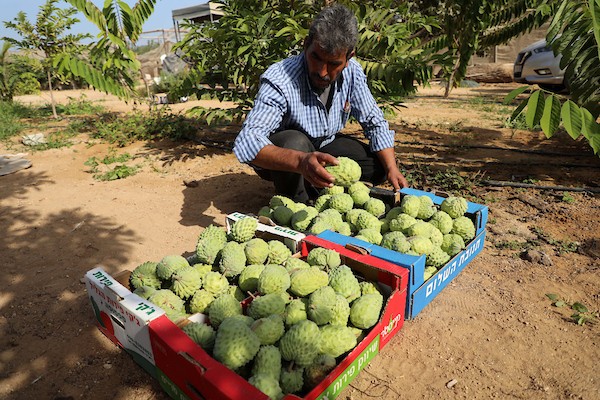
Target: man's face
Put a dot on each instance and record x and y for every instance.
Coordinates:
(324, 68)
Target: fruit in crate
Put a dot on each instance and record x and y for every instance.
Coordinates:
(256, 250)
(364, 312)
(233, 259)
(185, 282)
(225, 305)
(305, 281)
(273, 279)
(144, 275)
(202, 334)
(243, 229)
(296, 315)
(463, 227)
(269, 329)
(169, 264)
(235, 343)
(454, 206)
(346, 172)
(268, 362)
(301, 343)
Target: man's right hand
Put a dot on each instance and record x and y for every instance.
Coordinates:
(312, 167)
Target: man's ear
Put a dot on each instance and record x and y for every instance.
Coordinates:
(350, 55)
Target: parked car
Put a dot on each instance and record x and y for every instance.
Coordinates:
(537, 64)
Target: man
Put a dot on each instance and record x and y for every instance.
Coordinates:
(303, 102)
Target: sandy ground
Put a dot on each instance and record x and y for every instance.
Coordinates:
(492, 330)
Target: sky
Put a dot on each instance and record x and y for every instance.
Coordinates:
(160, 19)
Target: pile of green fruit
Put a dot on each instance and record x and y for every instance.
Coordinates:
(416, 226)
(279, 321)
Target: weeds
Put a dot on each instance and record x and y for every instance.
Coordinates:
(568, 198)
(56, 140)
(120, 171)
(158, 124)
(80, 106)
(581, 316)
(561, 246)
(448, 180)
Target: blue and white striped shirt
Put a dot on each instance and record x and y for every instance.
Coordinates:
(285, 100)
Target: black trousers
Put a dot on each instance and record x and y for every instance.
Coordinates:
(294, 186)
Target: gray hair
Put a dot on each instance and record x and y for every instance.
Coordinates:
(335, 28)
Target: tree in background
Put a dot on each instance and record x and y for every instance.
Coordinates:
(230, 56)
(111, 64)
(575, 34)
(470, 27)
(48, 37)
(8, 80)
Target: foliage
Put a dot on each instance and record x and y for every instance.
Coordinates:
(79, 106)
(173, 85)
(120, 171)
(448, 180)
(111, 65)
(10, 113)
(47, 36)
(470, 27)
(30, 74)
(157, 124)
(581, 315)
(8, 80)
(145, 48)
(389, 49)
(230, 56)
(575, 33)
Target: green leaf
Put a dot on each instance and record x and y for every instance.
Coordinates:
(587, 123)
(571, 118)
(514, 93)
(579, 307)
(535, 109)
(559, 303)
(595, 142)
(518, 110)
(551, 116)
(284, 31)
(552, 296)
(243, 49)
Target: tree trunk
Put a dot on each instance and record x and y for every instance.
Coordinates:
(450, 82)
(52, 95)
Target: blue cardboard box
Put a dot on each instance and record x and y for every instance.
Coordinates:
(421, 292)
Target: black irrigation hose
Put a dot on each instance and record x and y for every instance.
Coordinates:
(540, 187)
(527, 151)
(219, 144)
(500, 163)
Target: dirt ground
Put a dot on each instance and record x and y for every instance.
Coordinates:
(492, 332)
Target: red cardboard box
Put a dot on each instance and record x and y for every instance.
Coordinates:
(187, 371)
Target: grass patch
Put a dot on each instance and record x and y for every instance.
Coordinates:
(11, 114)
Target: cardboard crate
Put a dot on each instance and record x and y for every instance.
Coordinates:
(420, 293)
(186, 371)
(267, 230)
(123, 316)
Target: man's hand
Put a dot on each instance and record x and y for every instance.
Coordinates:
(394, 176)
(312, 167)
(396, 179)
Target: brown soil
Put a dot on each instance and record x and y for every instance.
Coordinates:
(492, 330)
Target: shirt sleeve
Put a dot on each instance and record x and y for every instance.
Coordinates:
(366, 111)
(265, 117)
